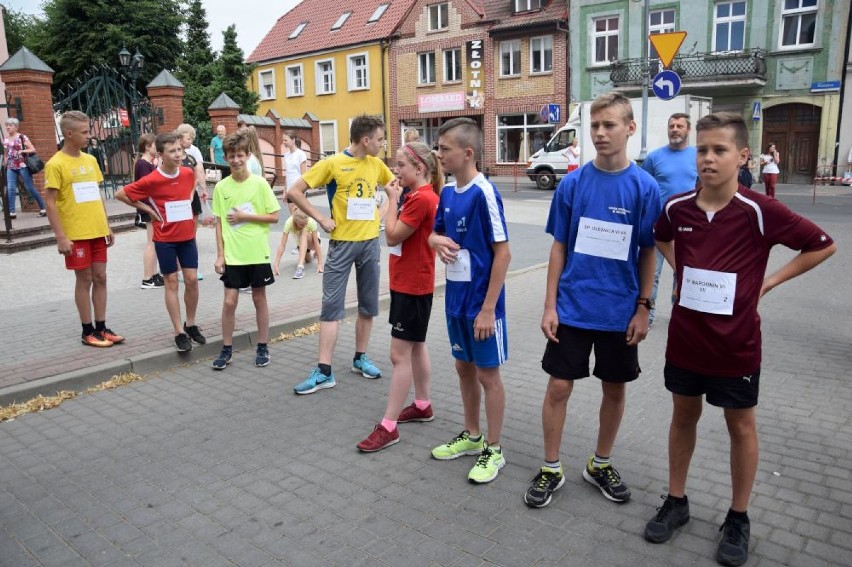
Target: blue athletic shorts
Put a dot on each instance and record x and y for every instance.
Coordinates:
(169, 253)
(489, 353)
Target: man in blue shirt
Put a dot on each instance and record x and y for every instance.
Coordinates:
(674, 168)
(217, 154)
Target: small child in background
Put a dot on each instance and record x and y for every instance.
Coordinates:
(306, 233)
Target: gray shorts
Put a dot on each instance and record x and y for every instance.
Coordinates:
(338, 265)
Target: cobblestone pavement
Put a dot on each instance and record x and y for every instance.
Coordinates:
(192, 467)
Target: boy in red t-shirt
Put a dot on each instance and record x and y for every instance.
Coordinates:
(412, 282)
(166, 195)
(718, 237)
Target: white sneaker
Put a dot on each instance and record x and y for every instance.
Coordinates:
(300, 273)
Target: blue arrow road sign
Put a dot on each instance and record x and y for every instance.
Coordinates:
(666, 84)
(554, 112)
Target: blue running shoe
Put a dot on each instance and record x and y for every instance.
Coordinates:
(316, 381)
(365, 367)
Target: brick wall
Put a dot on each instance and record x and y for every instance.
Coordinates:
(170, 99)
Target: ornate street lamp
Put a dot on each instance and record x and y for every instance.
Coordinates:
(132, 65)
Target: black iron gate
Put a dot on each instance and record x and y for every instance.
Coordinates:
(118, 115)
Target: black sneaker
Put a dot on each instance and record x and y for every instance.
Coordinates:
(608, 481)
(139, 222)
(195, 334)
(159, 279)
(183, 343)
(262, 358)
(152, 283)
(223, 359)
(670, 516)
(545, 483)
(733, 549)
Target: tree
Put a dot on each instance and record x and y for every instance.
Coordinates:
(76, 34)
(197, 69)
(20, 29)
(234, 73)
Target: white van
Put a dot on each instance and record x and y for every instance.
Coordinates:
(549, 164)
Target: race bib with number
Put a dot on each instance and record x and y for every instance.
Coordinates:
(459, 271)
(708, 291)
(178, 210)
(244, 208)
(86, 191)
(603, 239)
(360, 209)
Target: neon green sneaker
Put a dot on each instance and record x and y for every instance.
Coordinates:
(487, 466)
(460, 445)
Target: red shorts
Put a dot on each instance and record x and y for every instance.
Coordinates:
(85, 253)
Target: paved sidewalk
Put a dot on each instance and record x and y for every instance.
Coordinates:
(192, 467)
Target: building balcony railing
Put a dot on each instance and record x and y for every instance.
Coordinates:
(714, 68)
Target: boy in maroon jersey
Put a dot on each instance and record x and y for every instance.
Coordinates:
(718, 237)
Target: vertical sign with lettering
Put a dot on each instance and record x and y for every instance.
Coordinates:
(475, 73)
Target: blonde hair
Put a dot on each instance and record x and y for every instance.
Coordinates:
(613, 98)
(300, 220)
(72, 116)
(422, 155)
(254, 141)
(186, 129)
(411, 135)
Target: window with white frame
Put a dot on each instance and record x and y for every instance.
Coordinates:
(541, 54)
(604, 39)
(729, 26)
(325, 77)
(527, 5)
(267, 84)
(452, 66)
(298, 30)
(660, 21)
(341, 20)
(520, 135)
(378, 13)
(798, 23)
(295, 82)
(426, 68)
(358, 72)
(510, 58)
(438, 17)
(328, 137)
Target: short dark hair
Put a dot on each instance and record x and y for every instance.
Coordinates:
(364, 125)
(235, 142)
(166, 138)
(465, 131)
(683, 115)
(726, 120)
(613, 98)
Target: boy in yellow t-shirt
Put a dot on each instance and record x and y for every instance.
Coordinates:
(351, 178)
(77, 215)
(244, 206)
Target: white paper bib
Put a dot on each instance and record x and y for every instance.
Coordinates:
(603, 239)
(459, 271)
(708, 291)
(360, 209)
(178, 210)
(86, 191)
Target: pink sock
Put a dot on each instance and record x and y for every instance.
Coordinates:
(389, 425)
(422, 404)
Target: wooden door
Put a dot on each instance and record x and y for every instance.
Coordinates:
(794, 129)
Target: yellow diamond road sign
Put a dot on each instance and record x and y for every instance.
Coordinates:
(667, 45)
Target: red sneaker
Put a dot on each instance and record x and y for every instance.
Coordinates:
(379, 439)
(96, 340)
(413, 413)
(110, 336)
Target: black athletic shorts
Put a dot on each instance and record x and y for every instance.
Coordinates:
(737, 392)
(409, 316)
(250, 275)
(568, 359)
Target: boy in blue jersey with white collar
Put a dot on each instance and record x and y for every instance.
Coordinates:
(470, 237)
(599, 282)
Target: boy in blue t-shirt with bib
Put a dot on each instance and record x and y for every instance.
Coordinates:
(470, 237)
(599, 283)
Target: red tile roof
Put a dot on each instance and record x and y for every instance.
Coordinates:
(320, 16)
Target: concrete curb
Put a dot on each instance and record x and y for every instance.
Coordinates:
(165, 359)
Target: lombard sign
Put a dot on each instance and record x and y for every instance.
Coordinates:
(475, 73)
(440, 102)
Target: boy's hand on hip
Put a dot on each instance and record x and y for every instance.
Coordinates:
(484, 325)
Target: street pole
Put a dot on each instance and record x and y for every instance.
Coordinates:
(646, 76)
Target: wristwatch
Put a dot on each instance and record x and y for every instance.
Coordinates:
(646, 301)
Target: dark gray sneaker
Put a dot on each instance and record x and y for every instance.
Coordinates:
(733, 549)
(608, 482)
(183, 343)
(194, 333)
(670, 516)
(541, 490)
(262, 357)
(223, 360)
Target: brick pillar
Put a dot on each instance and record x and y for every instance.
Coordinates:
(32, 87)
(225, 116)
(315, 137)
(279, 170)
(170, 99)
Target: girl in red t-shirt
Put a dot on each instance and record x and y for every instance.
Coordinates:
(408, 225)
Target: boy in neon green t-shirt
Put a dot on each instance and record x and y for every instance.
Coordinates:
(245, 206)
